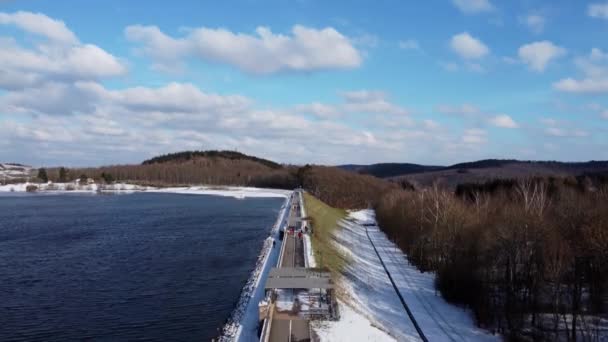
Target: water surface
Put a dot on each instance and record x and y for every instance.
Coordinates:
(124, 267)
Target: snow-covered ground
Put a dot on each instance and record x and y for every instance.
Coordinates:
(352, 326)
(228, 191)
(365, 289)
(370, 292)
(14, 171)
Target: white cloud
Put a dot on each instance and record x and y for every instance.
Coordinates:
(587, 85)
(320, 110)
(538, 55)
(475, 136)
(595, 70)
(306, 49)
(503, 121)
(410, 44)
(598, 10)
(366, 101)
(561, 132)
(40, 24)
(534, 22)
(474, 114)
(555, 128)
(468, 47)
(59, 58)
(87, 97)
(473, 6)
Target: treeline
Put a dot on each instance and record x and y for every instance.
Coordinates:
(334, 186)
(343, 189)
(207, 171)
(529, 257)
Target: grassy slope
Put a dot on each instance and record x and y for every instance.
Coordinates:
(325, 223)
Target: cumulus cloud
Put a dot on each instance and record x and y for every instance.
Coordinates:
(538, 55)
(473, 6)
(40, 24)
(134, 123)
(468, 47)
(265, 52)
(503, 121)
(594, 67)
(598, 10)
(60, 57)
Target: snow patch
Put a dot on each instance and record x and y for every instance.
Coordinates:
(352, 326)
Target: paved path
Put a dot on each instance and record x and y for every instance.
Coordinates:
(294, 329)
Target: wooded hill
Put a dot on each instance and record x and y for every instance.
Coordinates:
(190, 155)
(334, 186)
(194, 167)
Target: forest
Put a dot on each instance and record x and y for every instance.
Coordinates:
(528, 256)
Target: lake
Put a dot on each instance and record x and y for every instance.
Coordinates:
(141, 266)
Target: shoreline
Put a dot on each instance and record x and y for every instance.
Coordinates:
(243, 321)
(126, 188)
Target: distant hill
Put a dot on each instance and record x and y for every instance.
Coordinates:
(485, 170)
(190, 155)
(477, 171)
(387, 170)
(10, 172)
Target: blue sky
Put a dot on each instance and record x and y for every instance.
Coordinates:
(435, 82)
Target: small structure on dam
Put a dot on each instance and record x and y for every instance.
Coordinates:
(299, 291)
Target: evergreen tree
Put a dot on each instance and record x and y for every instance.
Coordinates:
(63, 175)
(107, 177)
(42, 175)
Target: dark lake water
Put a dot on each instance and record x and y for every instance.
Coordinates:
(125, 267)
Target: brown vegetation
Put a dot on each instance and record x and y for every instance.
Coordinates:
(530, 257)
(343, 189)
(198, 170)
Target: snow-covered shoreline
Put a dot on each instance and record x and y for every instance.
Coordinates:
(243, 322)
(226, 191)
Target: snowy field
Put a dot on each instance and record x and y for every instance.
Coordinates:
(369, 291)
